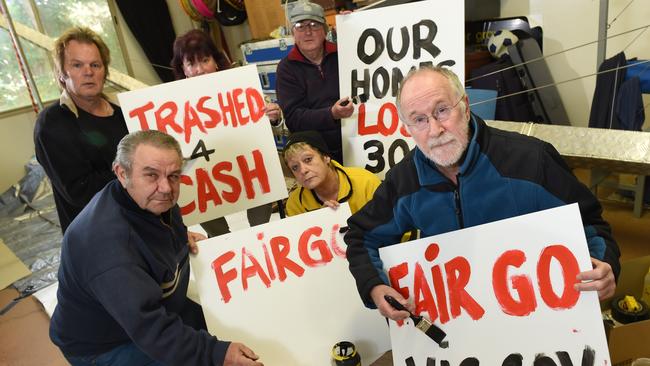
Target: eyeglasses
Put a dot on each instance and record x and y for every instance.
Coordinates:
(302, 27)
(440, 114)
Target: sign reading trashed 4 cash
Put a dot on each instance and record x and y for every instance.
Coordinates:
(218, 118)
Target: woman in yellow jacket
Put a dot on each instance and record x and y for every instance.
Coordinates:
(323, 182)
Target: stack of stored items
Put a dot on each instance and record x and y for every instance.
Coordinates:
(266, 55)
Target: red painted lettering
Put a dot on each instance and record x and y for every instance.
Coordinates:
(258, 172)
(267, 257)
(423, 299)
(430, 254)
(387, 130)
(213, 114)
(217, 172)
(395, 274)
(165, 117)
(206, 190)
(223, 278)
(190, 121)
(441, 295)
(387, 121)
(570, 270)
(238, 106)
(226, 185)
(227, 109)
(317, 245)
(362, 128)
(140, 113)
(186, 180)
(522, 284)
(280, 248)
(255, 103)
(458, 274)
(253, 270)
(404, 131)
(335, 245)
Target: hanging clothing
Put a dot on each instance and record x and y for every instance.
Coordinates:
(605, 110)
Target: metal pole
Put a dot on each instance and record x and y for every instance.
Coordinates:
(20, 55)
(602, 32)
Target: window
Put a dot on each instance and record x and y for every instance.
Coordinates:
(59, 15)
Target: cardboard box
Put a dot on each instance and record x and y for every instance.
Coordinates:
(628, 342)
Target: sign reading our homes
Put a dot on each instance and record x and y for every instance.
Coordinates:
(218, 118)
(502, 292)
(376, 49)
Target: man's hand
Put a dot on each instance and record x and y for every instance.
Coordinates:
(600, 279)
(192, 238)
(240, 355)
(378, 292)
(342, 111)
(273, 111)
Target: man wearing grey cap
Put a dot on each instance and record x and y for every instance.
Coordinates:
(308, 79)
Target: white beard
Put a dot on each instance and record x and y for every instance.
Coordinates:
(452, 151)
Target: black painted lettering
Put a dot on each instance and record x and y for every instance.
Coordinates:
(201, 151)
(378, 45)
(357, 83)
(513, 359)
(469, 361)
(396, 80)
(427, 42)
(565, 359)
(447, 63)
(543, 360)
(377, 155)
(588, 356)
(380, 91)
(396, 56)
(401, 144)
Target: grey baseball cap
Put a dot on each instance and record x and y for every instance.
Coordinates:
(304, 10)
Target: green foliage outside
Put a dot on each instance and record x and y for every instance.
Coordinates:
(56, 16)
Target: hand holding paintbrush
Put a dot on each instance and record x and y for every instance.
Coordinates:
(344, 109)
(431, 330)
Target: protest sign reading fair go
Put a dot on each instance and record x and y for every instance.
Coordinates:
(503, 292)
(454, 296)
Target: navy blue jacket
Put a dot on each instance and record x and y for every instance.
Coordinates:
(306, 93)
(504, 174)
(123, 278)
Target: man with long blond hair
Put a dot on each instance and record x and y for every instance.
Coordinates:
(75, 138)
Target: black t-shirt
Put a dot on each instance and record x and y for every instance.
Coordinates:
(103, 133)
(77, 154)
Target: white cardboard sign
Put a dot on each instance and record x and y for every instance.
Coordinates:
(376, 48)
(219, 121)
(284, 290)
(503, 293)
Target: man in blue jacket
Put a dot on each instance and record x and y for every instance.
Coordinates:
(463, 173)
(124, 271)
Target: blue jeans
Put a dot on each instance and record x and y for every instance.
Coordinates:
(126, 354)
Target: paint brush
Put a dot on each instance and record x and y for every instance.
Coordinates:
(431, 330)
(361, 98)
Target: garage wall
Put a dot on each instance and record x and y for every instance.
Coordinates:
(566, 24)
